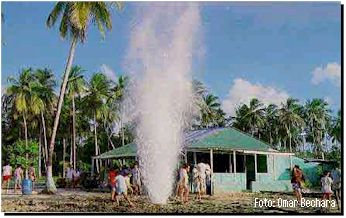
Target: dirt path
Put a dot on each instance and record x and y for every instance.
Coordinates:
(80, 201)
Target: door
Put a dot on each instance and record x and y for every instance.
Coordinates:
(250, 170)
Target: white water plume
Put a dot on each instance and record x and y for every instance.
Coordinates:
(162, 45)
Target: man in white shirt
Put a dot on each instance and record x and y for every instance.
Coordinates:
(201, 167)
(69, 176)
(6, 176)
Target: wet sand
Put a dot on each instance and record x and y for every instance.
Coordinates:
(97, 202)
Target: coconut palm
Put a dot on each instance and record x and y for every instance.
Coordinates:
(317, 115)
(209, 110)
(46, 80)
(290, 119)
(115, 100)
(75, 87)
(271, 122)
(255, 116)
(98, 92)
(335, 130)
(75, 20)
(24, 92)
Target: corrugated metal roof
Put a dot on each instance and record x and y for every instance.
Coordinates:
(213, 138)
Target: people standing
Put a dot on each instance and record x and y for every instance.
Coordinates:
(69, 176)
(326, 186)
(111, 181)
(136, 179)
(201, 167)
(6, 176)
(121, 189)
(208, 181)
(184, 184)
(297, 178)
(336, 177)
(127, 177)
(197, 183)
(18, 175)
(32, 175)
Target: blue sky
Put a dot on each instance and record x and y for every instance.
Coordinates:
(266, 50)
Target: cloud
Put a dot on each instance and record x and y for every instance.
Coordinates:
(107, 71)
(331, 72)
(242, 91)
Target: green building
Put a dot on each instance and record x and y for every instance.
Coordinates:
(238, 161)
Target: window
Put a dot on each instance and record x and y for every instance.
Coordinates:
(221, 163)
(262, 163)
(240, 163)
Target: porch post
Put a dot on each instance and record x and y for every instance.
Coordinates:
(92, 166)
(256, 166)
(234, 163)
(291, 164)
(212, 172)
(195, 158)
(230, 164)
(274, 167)
(185, 157)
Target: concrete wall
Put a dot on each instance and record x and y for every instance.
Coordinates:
(229, 182)
(277, 178)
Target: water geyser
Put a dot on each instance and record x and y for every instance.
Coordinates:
(160, 59)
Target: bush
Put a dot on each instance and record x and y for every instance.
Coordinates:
(18, 151)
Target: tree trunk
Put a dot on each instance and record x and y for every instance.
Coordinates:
(290, 138)
(270, 138)
(71, 154)
(39, 154)
(63, 157)
(122, 132)
(50, 186)
(96, 147)
(26, 144)
(44, 138)
(74, 131)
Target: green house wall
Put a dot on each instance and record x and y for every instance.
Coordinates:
(229, 182)
(277, 178)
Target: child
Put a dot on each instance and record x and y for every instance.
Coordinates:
(6, 176)
(18, 175)
(197, 182)
(326, 183)
(121, 189)
(32, 175)
(184, 183)
(111, 181)
(128, 183)
(136, 179)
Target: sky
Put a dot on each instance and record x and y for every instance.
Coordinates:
(266, 50)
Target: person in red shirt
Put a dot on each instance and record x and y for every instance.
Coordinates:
(111, 181)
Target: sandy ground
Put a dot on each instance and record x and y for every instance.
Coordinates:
(81, 201)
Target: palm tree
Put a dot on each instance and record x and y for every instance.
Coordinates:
(335, 131)
(255, 116)
(317, 114)
(46, 80)
(117, 97)
(24, 92)
(240, 122)
(271, 121)
(290, 118)
(75, 19)
(98, 91)
(75, 86)
(209, 110)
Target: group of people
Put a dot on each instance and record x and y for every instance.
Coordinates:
(72, 177)
(17, 175)
(330, 183)
(201, 181)
(124, 182)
